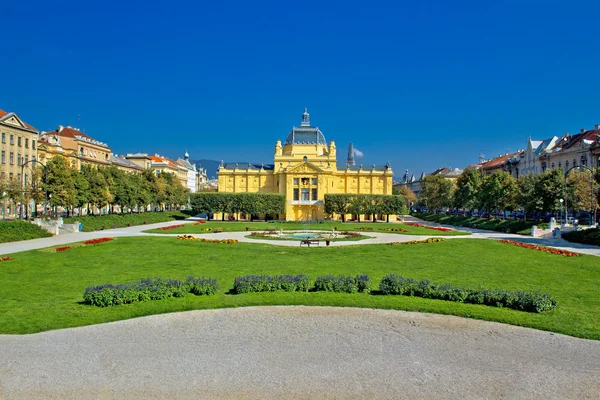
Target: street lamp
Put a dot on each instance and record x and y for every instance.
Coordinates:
(561, 214)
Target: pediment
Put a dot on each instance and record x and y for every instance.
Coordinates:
(14, 120)
(304, 167)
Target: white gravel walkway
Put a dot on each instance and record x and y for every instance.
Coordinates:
(298, 353)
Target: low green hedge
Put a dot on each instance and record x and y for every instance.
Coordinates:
(524, 301)
(147, 289)
(343, 283)
(14, 231)
(585, 236)
(492, 224)
(110, 221)
(265, 283)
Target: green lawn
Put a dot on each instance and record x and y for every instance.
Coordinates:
(40, 290)
(493, 224)
(290, 226)
(91, 223)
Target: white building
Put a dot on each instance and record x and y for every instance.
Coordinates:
(191, 172)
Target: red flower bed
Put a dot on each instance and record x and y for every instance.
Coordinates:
(96, 241)
(166, 228)
(5, 258)
(200, 222)
(435, 228)
(62, 248)
(541, 248)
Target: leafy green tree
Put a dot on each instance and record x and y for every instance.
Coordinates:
(407, 194)
(499, 192)
(437, 192)
(61, 184)
(468, 188)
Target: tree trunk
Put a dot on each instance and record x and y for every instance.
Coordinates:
(387, 218)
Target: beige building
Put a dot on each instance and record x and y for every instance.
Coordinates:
(304, 170)
(18, 146)
(74, 145)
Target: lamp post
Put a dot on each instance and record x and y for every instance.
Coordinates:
(561, 214)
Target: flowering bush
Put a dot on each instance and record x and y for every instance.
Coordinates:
(190, 237)
(99, 240)
(344, 284)
(430, 240)
(524, 301)
(265, 283)
(62, 248)
(166, 228)
(5, 258)
(147, 289)
(541, 248)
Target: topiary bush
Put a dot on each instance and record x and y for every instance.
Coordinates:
(343, 283)
(147, 289)
(525, 301)
(265, 283)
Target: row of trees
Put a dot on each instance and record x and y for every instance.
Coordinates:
(237, 203)
(365, 204)
(97, 188)
(474, 190)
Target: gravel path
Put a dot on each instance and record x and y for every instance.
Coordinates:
(298, 353)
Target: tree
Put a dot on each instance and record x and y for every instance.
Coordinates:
(527, 197)
(549, 189)
(499, 192)
(407, 194)
(437, 192)
(581, 194)
(468, 187)
(61, 184)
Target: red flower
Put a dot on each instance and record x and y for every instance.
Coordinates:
(166, 228)
(541, 248)
(62, 248)
(99, 240)
(5, 258)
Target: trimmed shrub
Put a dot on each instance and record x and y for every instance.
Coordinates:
(14, 231)
(585, 236)
(343, 283)
(265, 283)
(91, 223)
(147, 289)
(525, 301)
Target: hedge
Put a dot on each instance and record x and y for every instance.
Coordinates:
(147, 289)
(364, 204)
(247, 203)
(92, 223)
(14, 231)
(524, 301)
(343, 283)
(265, 283)
(585, 236)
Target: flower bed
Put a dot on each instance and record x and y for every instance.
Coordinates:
(541, 248)
(99, 240)
(190, 237)
(6, 258)
(200, 222)
(430, 240)
(166, 228)
(435, 228)
(59, 249)
(344, 284)
(147, 289)
(523, 301)
(265, 283)
(365, 228)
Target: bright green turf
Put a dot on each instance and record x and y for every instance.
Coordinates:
(41, 291)
(289, 226)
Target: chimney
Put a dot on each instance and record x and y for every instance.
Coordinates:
(60, 128)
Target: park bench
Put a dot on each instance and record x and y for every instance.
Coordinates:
(308, 242)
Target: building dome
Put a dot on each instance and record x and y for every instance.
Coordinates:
(305, 133)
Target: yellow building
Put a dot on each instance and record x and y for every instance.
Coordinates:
(18, 146)
(305, 170)
(74, 145)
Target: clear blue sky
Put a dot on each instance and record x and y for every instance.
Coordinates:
(421, 84)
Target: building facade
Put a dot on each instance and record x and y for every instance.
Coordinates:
(75, 146)
(304, 170)
(18, 146)
(191, 172)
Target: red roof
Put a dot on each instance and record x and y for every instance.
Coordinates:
(68, 132)
(498, 161)
(4, 113)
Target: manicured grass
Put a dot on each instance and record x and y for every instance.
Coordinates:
(492, 224)
(290, 226)
(14, 231)
(40, 291)
(337, 239)
(99, 222)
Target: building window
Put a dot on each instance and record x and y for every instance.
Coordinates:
(3, 157)
(11, 158)
(543, 167)
(314, 194)
(12, 139)
(19, 141)
(10, 176)
(305, 194)
(25, 180)
(296, 181)
(26, 157)
(552, 165)
(583, 160)
(296, 194)
(574, 162)
(305, 181)
(26, 143)
(81, 152)
(314, 181)
(3, 137)
(567, 164)
(33, 144)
